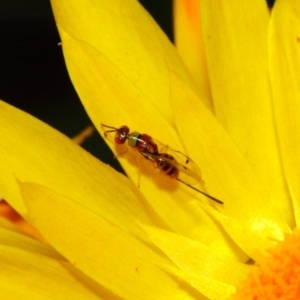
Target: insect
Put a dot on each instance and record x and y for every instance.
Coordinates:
(165, 162)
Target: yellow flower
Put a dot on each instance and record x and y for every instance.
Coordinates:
(161, 240)
(250, 55)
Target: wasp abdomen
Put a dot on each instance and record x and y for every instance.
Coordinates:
(164, 164)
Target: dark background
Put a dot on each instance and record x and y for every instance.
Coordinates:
(33, 76)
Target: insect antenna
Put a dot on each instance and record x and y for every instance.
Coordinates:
(208, 196)
(113, 129)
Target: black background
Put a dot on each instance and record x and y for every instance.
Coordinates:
(33, 76)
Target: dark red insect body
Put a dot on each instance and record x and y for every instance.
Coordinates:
(149, 150)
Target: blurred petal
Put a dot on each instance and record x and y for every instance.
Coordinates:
(284, 64)
(94, 247)
(188, 41)
(209, 288)
(235, 38)
(38, 270)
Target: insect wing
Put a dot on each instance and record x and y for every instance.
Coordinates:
(186, 174)
(189, 172)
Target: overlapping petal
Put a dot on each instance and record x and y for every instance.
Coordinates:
(119, 261)
(194, 257)
(122, 33)
(284, 64)
(51, 159)
(236, 43)
(27, 263)
(189, 44)
(126, 72)
(70, 191)
(96, 68)
(100, 64)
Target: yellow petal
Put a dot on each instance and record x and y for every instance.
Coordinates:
(118, 86)
(55, 162)
(235, 38)
(12, 238)
(109, 74)
(277, 276)
(228, 175)
(189, 43)
(120, 262)
(127, 37)
(39, 272)
(191, 256)
(209, 288)
(49, 158)
(164, 194)
(284, 75)
(124, 99)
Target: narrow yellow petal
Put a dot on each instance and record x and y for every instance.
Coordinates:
(30, 269)
(209, 288)
(188, 41)
(236, 41)
(191, 256)
(121, 102)
(226, 173)
(119, 261)
(125, 34)
(284, 74)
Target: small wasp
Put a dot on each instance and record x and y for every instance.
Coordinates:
(165, 162)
